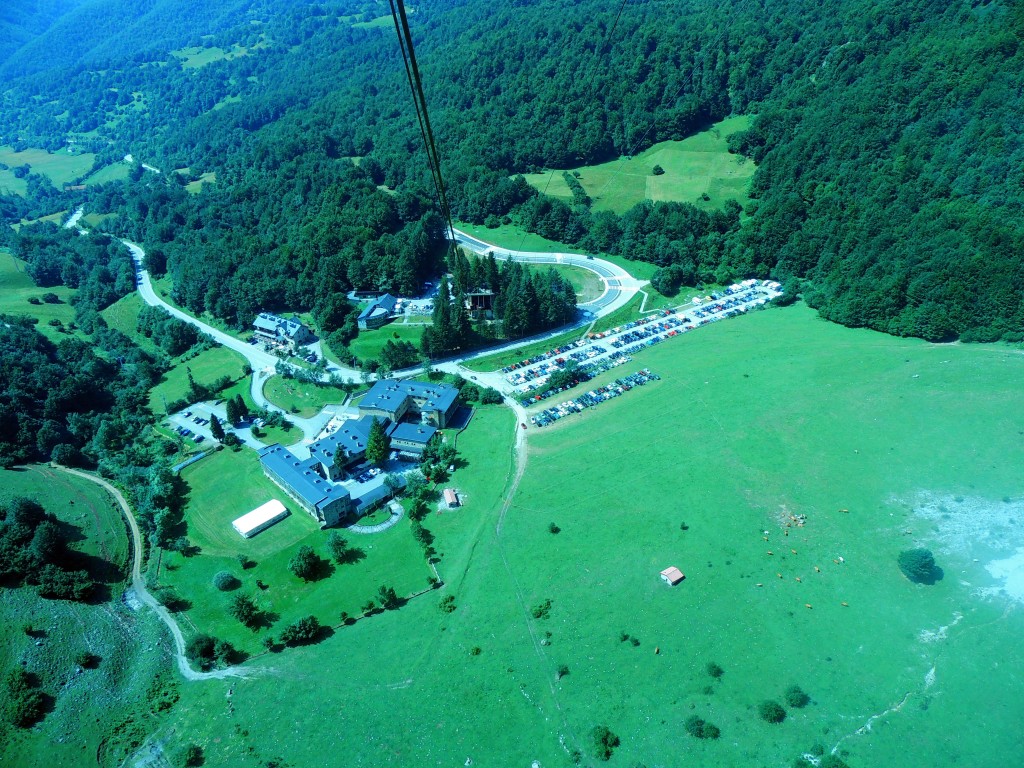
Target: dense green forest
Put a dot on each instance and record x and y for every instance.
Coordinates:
(887, 139)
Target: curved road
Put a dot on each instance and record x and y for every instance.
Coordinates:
(139, 585)
(619, 289)
(620, 286)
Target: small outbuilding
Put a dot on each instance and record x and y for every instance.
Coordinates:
(260, 518)
(672, 576)
(451, 498)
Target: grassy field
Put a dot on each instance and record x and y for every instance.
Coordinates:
(514, 238)
(588, 285)
(123, 315)
(696, 166)
(368, 344)
(773, 418)
(113, 172)
(306, 399)
(98, 715)
(60, 167)
(197, 56)
(16, 288)
(226, 486)
(206, 368)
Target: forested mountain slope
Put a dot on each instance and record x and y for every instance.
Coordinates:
(887, 140)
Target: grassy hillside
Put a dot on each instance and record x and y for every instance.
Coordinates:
(99, 713)
(693, 167)
(773, 419)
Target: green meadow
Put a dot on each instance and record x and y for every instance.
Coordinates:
(98, 715)
(199, 56)
(206, 368)
(780, 463)
(16, 288)
(306, 400)
(368, 344)
(226, 485)
(60, 167)
(693, 167)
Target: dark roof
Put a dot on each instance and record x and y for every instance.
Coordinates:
(350, 438)
(300, 477)
(270, 323)
(413, 433)
(388, 395)
(384, 305)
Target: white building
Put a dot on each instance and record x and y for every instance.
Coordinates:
(260, 518)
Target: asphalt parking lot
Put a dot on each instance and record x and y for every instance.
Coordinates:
(604, 350)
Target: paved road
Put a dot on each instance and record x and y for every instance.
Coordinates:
(139, 585)
(263, 364)
(620, 286)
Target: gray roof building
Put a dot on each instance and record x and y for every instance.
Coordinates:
(324, 501)
(435, 403)
(377, 312)
(288, 329)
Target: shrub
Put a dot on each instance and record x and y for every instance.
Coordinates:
(87, 660)
(448, 603)
(657, 170)
(244, 608)
(388, 598)
(918, 565)
(554, 528)
(475, 651)
(200, 649)
(796, 698)
(605, 742)
(225, 582)
(193, 755)
(490, 396)
(700, 728)
(305, 563)
(302, 631)
(542, 610)
(25, 704)
(831, 761)
(771, 711)
(714, 670)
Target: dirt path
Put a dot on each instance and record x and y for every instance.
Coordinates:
(521, 455)
(139, 585)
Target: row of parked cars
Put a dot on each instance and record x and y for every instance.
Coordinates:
(585, 372)
(594, 397)
(549, 366)
(563, 350)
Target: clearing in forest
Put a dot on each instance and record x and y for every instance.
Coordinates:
(698, 165)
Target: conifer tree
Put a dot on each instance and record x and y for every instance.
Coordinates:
(378, 445)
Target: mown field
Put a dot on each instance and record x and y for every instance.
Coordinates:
(97, 715)
(696, 166)
(769, 419)
(224, 487)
